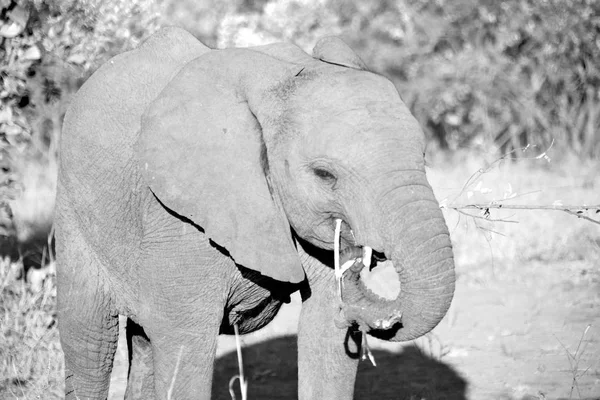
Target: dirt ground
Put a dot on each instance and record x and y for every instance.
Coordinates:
(503, 338)
(524, 322)
(518, 325)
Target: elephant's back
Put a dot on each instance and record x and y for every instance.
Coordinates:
(98, 176)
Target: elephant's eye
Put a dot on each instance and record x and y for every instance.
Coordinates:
(325, 175)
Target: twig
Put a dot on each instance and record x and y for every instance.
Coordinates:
(485, 218)
(475, 176)
(516, 196)
(574, 360)
(172, 385)
(575, 210)
(490, 231)
(569, 209)
(365, 350)
(483, 206)
(240, 376)
(581, 216)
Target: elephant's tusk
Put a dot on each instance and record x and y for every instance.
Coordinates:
(346, 266)
(339, 274)
(339, 270)
(336, 256)
(367, 252)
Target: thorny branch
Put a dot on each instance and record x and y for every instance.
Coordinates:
(578, 211)
(477, 174)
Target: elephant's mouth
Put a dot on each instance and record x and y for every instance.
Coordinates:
(369, 288)
(373, 273)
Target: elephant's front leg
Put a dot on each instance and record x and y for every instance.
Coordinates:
(184, 310)
(327, 354)
(184, 283)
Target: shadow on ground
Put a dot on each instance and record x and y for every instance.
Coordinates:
(271, 368)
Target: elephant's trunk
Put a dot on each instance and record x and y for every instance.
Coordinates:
(409, 285)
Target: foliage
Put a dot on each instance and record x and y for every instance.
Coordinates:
(519, 72)
(490, 74)
(50, 48)
(300, 22)
(479, 73)
(486, 74)
(31, 361)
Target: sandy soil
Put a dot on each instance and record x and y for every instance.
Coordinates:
(524, 299)
(505, 337)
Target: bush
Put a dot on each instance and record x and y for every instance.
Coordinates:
(513, 72)
(31, 360)
(51, 48)
(487, 74)
(475, 73)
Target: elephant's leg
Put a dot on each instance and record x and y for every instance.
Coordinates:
(184, 341)
(140, 380)
(183, 364)
(327, 355)
(87, 320)
(185, 283)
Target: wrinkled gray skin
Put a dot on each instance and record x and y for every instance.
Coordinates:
(199, 188)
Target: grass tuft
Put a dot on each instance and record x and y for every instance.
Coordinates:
(31, 361)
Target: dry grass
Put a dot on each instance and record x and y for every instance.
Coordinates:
(31, 363)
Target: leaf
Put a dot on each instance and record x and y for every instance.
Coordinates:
(32, 53)
(19, 15)
(76, 59)
(11, 30)
(11, 130)
(452, 119)
(16, 22)
(6, 115)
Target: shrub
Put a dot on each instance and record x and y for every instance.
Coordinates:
(487, 74)
(510, 73)
(31, 361)
(51, 48)
(475, 73)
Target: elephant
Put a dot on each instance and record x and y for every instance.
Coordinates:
(199, 188)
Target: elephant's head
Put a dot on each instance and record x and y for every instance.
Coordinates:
(260, 146)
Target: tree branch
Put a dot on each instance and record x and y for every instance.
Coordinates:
(575, 210)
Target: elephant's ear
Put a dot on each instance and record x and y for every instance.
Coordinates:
(201, 148)
(334, 50)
